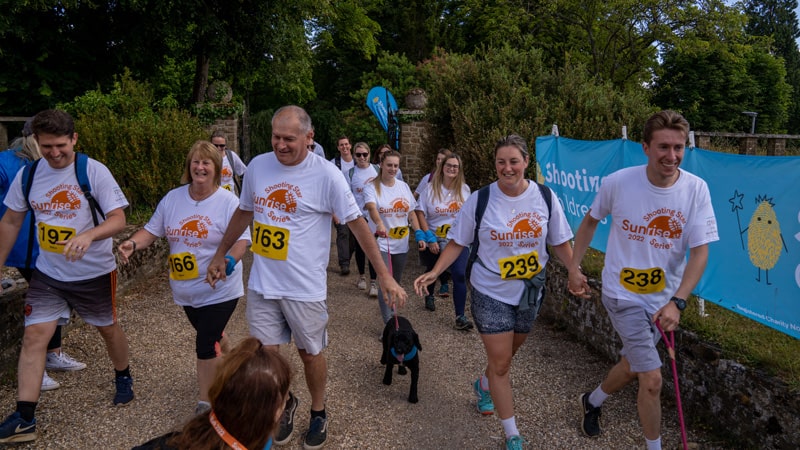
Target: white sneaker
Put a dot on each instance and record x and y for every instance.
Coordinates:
(362, 283)
(49, 384)
(62, 362)
(373, 290)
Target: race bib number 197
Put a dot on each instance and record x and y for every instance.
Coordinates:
(50, 234)
(270, 242)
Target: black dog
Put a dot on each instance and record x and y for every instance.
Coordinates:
(401, 346)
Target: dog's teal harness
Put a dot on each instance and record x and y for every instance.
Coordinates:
(409, 355)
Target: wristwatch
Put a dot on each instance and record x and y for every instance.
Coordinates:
(679, 302)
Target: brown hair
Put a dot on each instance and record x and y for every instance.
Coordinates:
(247, 395)
(203, 150)
(53, 121)
(665, 120)
(437, 182)
(377, 157)
(377, 181)
(512, 140)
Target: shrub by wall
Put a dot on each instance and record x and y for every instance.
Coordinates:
(142, 141)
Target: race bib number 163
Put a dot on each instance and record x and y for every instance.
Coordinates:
(270, 242)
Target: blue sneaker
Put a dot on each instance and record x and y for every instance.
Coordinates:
(514, 443)
(485, 403)
(444, 290)
(124, 393)
(17, 429)
(317, 433)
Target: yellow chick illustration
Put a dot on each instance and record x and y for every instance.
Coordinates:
(765, 241)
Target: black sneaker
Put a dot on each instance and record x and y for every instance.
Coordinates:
(462, 323)
(590, 423)
(287, 421)
(124, 394)
(430, 304)
(317, 433)
(344, 271)
(17, 429)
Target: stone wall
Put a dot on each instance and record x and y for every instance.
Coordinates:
(144, 263)
(416, 152)
(744, 405)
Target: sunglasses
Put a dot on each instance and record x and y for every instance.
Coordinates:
(362, 155)
(220, 145)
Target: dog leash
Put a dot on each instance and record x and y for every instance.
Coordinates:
(670, 344)
(391, 272)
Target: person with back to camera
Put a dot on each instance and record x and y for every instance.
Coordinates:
(508, 276)
(247, 397)
(76, 267)
(391, 204)
(233, 169)
(22, 152)
(646, 281)
(359, 177)
(444, 278)
(193, 218)
(290, 205)
(436, 211)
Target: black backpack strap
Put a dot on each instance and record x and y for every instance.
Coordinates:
(27, 182)
(236, 181)
(338, 161)
(480, 208)
(548, 198)
(81, 162)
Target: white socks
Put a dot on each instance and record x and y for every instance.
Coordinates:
(597, 397)
(510, 426)
(653, 445)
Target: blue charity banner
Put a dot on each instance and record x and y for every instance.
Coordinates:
(754, 269)
(380, 101)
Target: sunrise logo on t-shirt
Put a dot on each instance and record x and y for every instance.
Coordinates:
(192, 230)
(452, 208)
(280, 197)
(663, 222)
(399, 206)
(226, 172)
(64, 201)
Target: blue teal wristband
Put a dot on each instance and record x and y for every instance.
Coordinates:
(419, 235)
(230, 265)
(430, 237)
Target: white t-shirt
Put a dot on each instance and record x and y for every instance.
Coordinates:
(394, 204)
(652, 228)
(194, 231)
(292, 208)
(439, 213)
(362, 177)
(423, 184)
(62, 212)
(511, 226)
(346, 166)
(239, 168)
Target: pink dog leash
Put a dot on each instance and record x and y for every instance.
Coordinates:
(670, 344)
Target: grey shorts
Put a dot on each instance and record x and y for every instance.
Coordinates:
(638, 333)
(493, 316)
(94, 300)
(276, 322)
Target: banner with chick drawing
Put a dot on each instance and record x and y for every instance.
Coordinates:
(754, 268)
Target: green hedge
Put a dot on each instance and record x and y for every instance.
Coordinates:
(142, 142)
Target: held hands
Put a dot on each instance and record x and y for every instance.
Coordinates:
(578, 284)
(216, 270)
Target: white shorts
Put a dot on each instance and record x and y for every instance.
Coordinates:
(276, 322)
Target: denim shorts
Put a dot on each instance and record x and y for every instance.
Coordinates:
(493, 316)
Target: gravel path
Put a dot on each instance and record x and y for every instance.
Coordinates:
(548, 373)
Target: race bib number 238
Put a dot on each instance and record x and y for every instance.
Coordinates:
(642, 281)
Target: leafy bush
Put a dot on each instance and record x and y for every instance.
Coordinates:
(144, 147)
(473, 100)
